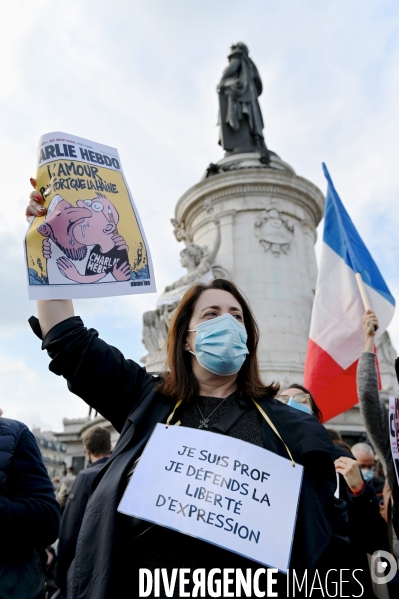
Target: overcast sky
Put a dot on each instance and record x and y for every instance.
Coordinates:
(141, 75)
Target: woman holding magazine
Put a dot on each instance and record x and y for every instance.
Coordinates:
(212, 367)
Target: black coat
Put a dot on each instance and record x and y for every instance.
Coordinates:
(29, 512)
(126, 395)
(72, 519)
(367, 529)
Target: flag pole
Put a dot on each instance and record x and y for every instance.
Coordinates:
(367, 306)
(362, 290)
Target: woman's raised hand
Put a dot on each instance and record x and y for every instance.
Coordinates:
(35, 206)
(370, 325)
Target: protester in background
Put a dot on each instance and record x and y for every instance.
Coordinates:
(395, 488)
(66, 483)
(368, 530)
(365, 457)
(97, 444)
(300, 398)
(56, 483)
(376, 420)
(29, 513)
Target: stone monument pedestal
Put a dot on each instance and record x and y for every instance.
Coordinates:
(268, 217)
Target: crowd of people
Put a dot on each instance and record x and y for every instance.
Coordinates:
(211, 380)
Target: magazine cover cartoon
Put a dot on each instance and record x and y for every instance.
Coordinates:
(90, 242)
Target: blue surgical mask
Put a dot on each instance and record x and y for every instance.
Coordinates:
(367, 474)
(221, 345)
(299, 406)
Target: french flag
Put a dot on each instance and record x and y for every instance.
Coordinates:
(336, 336)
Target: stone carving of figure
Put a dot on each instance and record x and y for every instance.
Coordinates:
(385, 349)
(154, 331)
(274, 231)
(386, 360)
(180, 231)
(198, 261)
(240, 117)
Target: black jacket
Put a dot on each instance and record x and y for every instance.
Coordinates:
(72, 519)
(126, 395)
(29, 513)
(367, 529)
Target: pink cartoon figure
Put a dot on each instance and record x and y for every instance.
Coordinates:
(82, 242)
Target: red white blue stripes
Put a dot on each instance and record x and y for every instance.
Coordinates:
(336, 336)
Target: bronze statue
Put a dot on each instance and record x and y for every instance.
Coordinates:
(240, 117)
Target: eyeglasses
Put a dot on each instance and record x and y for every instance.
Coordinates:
(299, 397)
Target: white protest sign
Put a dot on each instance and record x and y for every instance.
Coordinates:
(222, 490)
(394, 431)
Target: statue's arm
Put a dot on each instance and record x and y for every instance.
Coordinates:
(208, 260)
(229, 71)
(179, 283)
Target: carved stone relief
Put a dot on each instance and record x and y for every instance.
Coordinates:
(181, 232)
(274, 231)
(386, 360)
(199, 261)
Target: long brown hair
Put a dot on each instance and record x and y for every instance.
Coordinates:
(180, 381)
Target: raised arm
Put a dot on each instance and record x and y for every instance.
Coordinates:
(216, 245)
(373, 409)
(94, 370)
(209, 258)
(52, 312)
(370, 326)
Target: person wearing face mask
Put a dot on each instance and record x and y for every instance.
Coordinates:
(365, 457)
(211, 381)
(367, 530)
(299, 398)
(213, 366)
